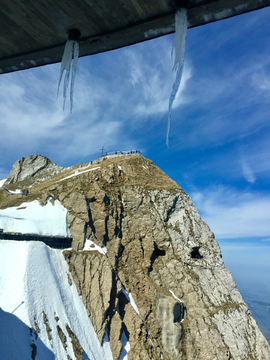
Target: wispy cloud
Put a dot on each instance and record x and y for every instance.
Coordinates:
(32, 118)
(233, 214)
(247, 172)
(106, 106)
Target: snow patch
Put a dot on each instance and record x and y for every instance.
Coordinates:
(91, 246)
(32, 218)
(176, 298)
(2, 181)
(79, 173)
(17, 191)
(126, 347)
(131, 300)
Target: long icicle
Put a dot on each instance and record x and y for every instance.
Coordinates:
(179, 44)
(66, 60)
(71, 52)
(74, 66)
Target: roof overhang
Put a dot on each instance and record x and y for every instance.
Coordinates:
(34, 33)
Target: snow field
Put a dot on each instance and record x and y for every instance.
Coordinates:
(32, 218)
(36, 276)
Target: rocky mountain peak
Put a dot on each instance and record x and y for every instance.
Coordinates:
(31, 166)
(147, 266)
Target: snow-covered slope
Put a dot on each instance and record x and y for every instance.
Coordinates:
(37, 291)
(32, 218)
(2, 181)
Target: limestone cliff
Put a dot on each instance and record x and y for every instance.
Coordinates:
(30, 166)
(160, 277)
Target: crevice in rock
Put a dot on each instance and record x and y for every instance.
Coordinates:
(20, 170)
(91, 223)
(42, 167)
(156, 253)
(121, 250)
(120, 216)
(110, 310)
(118, 232)
(106, 200)
(171, 210)
(122, 302)
(195, 253)
(141, 246)
(106, 236)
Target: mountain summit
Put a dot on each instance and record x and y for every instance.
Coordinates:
(30, 166)
(144, 278)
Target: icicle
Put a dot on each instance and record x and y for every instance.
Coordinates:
(71, 52)
(179, 44)
(74, 66)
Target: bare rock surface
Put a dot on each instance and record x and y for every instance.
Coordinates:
(31, 166)
(164, 255)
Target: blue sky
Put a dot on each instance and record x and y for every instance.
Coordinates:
(220, 131)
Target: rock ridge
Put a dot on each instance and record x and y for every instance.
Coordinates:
(31, 166)
(158, 276)
(163, 254)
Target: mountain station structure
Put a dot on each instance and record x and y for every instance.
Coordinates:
(34, 33)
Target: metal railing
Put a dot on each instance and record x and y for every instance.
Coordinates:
(121, 153)
(56, 242)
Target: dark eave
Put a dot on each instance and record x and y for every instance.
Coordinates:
(34, 33)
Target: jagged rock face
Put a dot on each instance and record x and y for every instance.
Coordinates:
(162, 253)
(163, 256)
(30, 166)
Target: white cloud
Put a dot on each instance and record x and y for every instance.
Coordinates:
(111, 99)
(261, 80)
(234, 214)
(247, 172)
(150, 82)
(32, 119)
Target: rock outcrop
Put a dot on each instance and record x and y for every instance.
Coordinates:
(161, 252)
(31, 166)
(159, 277)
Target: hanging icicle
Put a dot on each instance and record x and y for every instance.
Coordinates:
(179, 44)
(71, 52)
